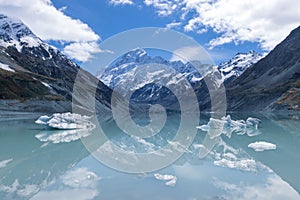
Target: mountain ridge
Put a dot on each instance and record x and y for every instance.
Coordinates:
(41, 78)
(145, 90)
(273, 83)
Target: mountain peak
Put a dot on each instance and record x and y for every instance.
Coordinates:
(137, 52)
(272, 83)
(13, 32)
(238, 64)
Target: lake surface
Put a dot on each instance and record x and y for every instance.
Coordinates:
(37, 163)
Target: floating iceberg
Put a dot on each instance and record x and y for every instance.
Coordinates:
(66, 121)
(262, 146)
(171, 180)
(250, 126)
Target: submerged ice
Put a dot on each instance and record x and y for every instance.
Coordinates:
(66, 121)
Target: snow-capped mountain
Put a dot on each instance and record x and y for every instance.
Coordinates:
(238, 64)
(146, 76)
(14, 33)
(35, 76)
(273, 83)
(126, 68)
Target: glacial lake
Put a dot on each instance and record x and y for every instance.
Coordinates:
(38, 163)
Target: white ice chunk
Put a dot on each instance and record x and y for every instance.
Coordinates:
(171, 180)
(66, 121)
(249, 127)
(43, 119)
(262, 146)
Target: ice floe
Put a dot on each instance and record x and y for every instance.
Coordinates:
(171, 180)
(66, 121)
(262, 146)
(227, 156)
(249, 127)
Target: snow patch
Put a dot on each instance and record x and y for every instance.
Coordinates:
(6, 67)
(46, 84)
(30, 41)
(262, 146)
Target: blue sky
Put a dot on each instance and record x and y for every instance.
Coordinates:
(222, 27)
(107, 20)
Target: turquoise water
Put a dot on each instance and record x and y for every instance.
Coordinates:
(37, 163)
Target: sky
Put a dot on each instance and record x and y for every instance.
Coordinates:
(222, 27)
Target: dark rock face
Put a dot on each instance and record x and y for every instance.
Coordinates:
(273, 83)
(41, 78)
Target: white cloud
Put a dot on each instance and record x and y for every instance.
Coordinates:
(79, 184)
(173, 25)
(265, 22)
(273, 189)
(121, 2)
(49, 23)
(83, 51)
(74, 194)
(171, 180)
(189, 53)
(80, 178)
(164, 7)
